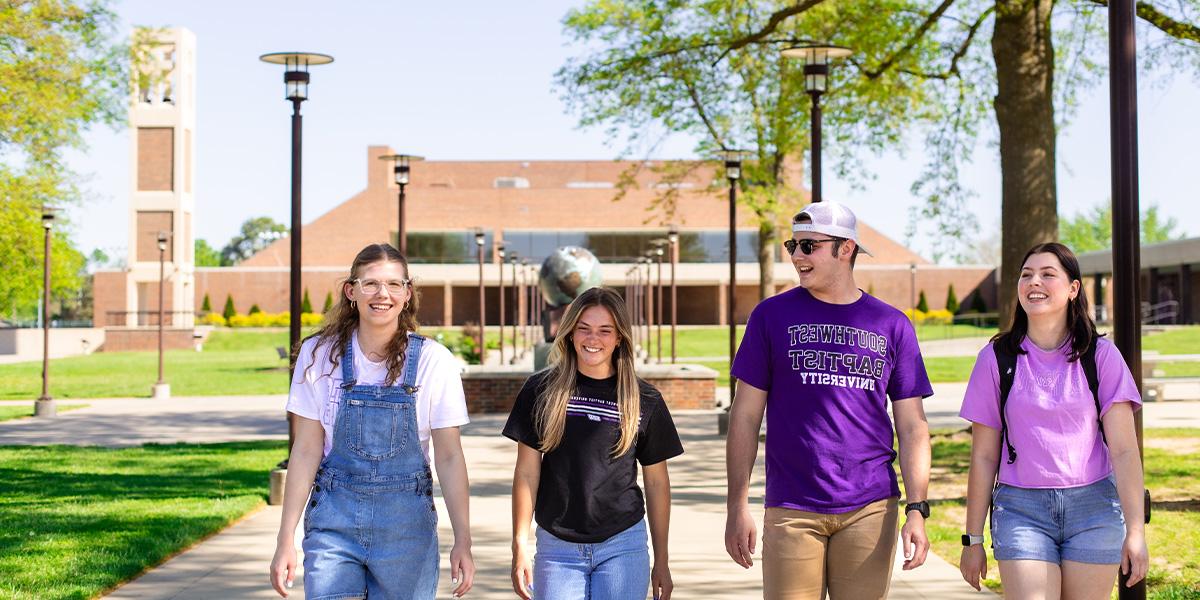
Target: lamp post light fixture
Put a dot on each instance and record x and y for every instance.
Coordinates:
(500, 253)
(658, 257)
(912, 287)
(673, 240)
(161, 389)
(295, 79)
(733, 172)
(516, 303)
(400, 170)
(479, 240)
(816, 59)
(45, 406)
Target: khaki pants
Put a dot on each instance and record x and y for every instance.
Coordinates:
(848, 554)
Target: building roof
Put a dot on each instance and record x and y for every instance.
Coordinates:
(547, 195)
(1160, 255)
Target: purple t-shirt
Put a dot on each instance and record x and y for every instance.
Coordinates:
(828, 370)
(1051, 413)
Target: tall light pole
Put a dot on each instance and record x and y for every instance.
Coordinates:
(649, 296)
(400, 171)
(1126, 253)
(45, 405)
(295, 79)
(500, 269)
(516, 303)
(816, 59)
(479, 239)
(733, 172)
(912, 287)
(530, 290)
(658, 256)
(673, 239)
(161, 390)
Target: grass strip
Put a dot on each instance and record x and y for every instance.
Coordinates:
(9, 412)
(75, 522)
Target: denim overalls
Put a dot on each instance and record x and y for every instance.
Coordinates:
(370, 528)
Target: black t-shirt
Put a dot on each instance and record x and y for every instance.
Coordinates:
(585, 495)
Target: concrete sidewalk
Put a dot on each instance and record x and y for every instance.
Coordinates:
(234, 563)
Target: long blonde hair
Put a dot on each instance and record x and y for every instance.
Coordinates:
(559, 384)
(342, 319)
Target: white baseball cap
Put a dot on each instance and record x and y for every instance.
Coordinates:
(830, 218)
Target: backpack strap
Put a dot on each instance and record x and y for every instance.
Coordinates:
(1006, 364)
(1088, 361)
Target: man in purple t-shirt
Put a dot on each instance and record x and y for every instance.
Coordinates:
(821, 360)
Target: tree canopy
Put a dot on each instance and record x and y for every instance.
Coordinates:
(62, 72)
(1091, 229)
(255, 234)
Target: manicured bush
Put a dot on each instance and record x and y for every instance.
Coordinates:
(306, 303)
(254, 309)
(311, 319)
(922, 303)
(212, 318)
(938, 317)
(239, 321)
(206, 305)
(951, 300)
(328, 302)
(229, 312)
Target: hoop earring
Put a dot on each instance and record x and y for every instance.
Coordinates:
(354, 304)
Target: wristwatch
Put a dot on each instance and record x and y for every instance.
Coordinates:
(970, 540)
(921, 507)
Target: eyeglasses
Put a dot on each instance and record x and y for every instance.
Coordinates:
(370, 287)
(805, 245)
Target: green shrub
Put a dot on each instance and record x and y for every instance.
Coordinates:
(306, 303)
(229, 312)
(977, 304)
(254, 309)
(951, 300)
(212, 318)
(311, 319)
(239, 321)
(328, 302)
(206, 305)
(922, 303)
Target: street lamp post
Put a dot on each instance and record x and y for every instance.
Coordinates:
(673, 240)
(295, 79)
(500, 269)
(658, 256)
(912, 287)
(516, 303)
(816, 59)
(400, 170)
(161, 390)
(479, 239)
(733, 172)
(45, 405)
(649, 295)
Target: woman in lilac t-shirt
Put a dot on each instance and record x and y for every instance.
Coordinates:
(1068, 509)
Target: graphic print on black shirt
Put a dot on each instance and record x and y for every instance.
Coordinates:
(585, 495)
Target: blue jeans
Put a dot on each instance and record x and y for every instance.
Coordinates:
(1080, 524)
(616, 569)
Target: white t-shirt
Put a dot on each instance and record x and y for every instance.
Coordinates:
(317, 392)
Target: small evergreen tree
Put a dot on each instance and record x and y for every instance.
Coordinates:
(254, 309)
(922, 303)
(229, 311)
(977, 304)
(206, 305)
(306, 303)
(328, 302)
(951, 300)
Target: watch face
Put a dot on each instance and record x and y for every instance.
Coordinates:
(966, 540)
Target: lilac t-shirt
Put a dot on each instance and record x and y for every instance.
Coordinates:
(1051, 415)
(828, 370)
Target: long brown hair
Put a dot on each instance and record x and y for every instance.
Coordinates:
(1079, 317)
(342, 319)
(559, 384)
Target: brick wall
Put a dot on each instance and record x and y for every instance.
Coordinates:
(121, 339)
(108, 289)
(495, 392)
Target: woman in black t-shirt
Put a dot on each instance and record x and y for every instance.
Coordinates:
(582, 427)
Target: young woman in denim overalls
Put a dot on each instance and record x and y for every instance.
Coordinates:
(368, 395)
(1065, 478)
(582, 427)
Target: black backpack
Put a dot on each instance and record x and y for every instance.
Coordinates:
(1007, 365)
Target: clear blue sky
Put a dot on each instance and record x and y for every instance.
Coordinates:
(472, 80)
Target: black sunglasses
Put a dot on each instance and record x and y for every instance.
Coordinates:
(805, 245)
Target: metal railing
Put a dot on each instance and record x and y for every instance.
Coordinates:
(142, 318)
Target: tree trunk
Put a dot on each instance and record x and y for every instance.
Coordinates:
(766, 259)
(1024, 103)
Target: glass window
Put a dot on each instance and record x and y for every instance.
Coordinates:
(445, 247)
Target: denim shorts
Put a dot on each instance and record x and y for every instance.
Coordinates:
(616, 569)
(1081, 524)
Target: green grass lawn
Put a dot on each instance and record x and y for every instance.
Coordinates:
(1172, 475)
(9, 412)
(75, 522)
(1182, 340)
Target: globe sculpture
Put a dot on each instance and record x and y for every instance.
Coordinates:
(568, 272)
